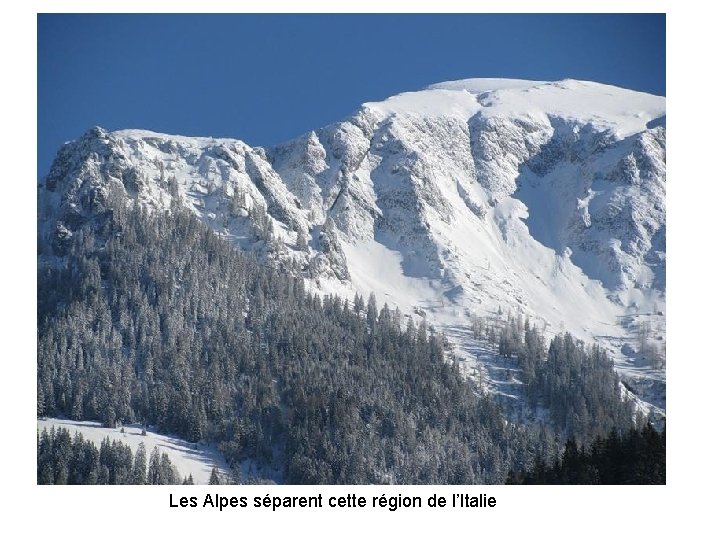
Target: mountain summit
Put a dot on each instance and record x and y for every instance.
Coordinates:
(468, 197)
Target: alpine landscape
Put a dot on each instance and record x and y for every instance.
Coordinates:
(460, 284)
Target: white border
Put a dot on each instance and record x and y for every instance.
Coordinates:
(682, 507)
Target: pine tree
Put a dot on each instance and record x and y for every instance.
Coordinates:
(139, 471)
(154, 476)
(168, 473)
(214, 477)
(358, 304)
(372, 311)
(40, 400)
(169, 325)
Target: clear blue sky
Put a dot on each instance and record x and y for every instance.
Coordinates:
(267, 78)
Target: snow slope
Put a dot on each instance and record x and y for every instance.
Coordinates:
(190, 458)
(541, 198)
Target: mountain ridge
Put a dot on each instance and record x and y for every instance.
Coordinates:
(545, 198)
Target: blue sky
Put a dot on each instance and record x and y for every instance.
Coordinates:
(267, 78)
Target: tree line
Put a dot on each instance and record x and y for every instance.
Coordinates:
(572, 384)
(634, 457)
(155, 319)
(66, 459)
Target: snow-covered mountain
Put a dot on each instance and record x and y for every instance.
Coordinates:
(544, 198)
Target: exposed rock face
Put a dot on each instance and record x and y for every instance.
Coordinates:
(544, 198)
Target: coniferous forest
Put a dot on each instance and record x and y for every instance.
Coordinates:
(66, 459)
(634, 457)
(155, 319)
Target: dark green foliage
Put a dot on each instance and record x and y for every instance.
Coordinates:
(580, 388)
(636, 457)
(167, 324)
(65, 460)
(160, 471)
(139, 470)
(576, 384)
(214, 477)
(153, 473)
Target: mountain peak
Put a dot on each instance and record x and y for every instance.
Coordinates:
(480, 85)
(543, 198)
(616, 110)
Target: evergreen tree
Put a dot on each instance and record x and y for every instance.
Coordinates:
(154, 471)
(214, 477)
(62, 459)
(139, 471)
(159, 320)
(168, 473)
(636, 457)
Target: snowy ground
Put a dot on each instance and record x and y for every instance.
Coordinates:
(189, 458)
(545, 199)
